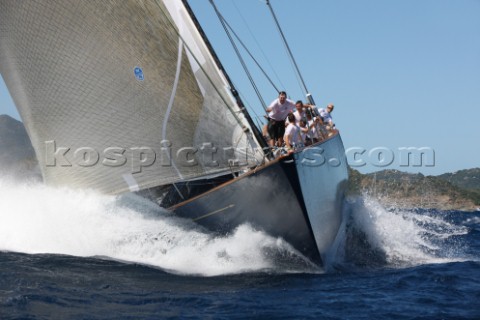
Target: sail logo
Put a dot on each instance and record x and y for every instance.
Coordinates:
(138, 72)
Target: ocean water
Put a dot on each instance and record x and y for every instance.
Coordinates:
(78, 255)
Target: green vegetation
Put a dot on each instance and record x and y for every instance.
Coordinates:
(466, 179)
(400, 189)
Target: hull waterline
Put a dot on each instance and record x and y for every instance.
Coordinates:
(298, 198)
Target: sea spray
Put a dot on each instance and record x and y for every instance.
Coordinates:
(377, 237)
(38, 219)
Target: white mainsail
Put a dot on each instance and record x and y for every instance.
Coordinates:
(120, 95)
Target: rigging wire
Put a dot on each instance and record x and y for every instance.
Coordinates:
(298, 74)
(258, 137)
(252, 110)
(250, 54)
(258, 45)
(210, 80)
(239, 56)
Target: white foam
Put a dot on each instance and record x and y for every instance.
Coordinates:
(405, 237)
(38, 219)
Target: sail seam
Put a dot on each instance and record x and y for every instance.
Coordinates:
(187, 48)
(172, 98)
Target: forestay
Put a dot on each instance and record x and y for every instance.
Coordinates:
(120, 95)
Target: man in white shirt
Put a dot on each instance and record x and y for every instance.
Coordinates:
(293, 134)
(325, 113)
(299, 113)
(314, 125)
(277, 113)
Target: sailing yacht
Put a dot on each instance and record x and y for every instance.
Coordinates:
(129, 96)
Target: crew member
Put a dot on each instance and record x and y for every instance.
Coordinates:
(277, 113)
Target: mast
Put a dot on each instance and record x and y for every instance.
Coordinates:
(258, 135)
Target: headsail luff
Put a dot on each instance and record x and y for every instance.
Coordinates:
(105, 87)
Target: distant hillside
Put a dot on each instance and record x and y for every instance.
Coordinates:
(466, 179)
(398, 189)
(17, 157)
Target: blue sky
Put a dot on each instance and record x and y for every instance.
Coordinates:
(400, 73)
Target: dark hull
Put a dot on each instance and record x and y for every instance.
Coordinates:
(297, 197)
